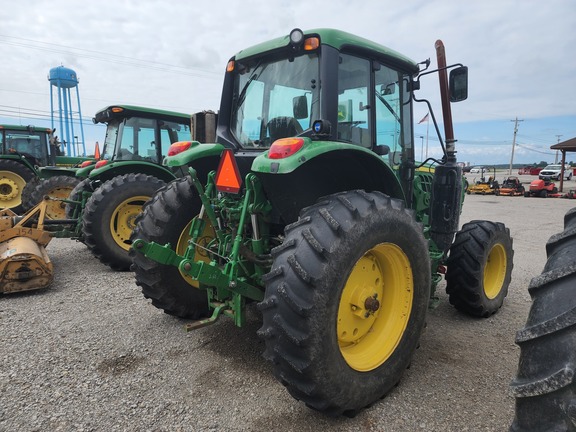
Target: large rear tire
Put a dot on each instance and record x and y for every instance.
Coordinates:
(545, 385)
(480, 268)
(13, 179)
(166, 219)
(346, 301)
(54, 187)
(110, 216)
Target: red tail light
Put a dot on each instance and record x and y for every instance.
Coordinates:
(86, 163)
(179, 147)
(100, 163)
(284, 147)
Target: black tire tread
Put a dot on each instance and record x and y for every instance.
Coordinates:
(545, 384)
(465, 267)
(163, 284)
(292, 295)
(76, 195)
(45, 186)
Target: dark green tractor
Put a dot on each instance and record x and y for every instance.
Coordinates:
(319, 212)
(24, 150)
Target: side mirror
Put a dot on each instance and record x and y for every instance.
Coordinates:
(388, 89)
(381, 150)
(300, 107)
(458, 83)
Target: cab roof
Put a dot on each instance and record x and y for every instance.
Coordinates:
(340, 40)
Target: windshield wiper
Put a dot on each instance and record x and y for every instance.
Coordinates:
(242, 94)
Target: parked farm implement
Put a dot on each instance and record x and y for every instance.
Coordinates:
(543, 189)
(483, 186)
(511, 187)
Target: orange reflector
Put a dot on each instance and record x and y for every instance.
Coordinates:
(179, 147)
(285, 147)
(230, 66)
(311, 43)
(228, 176)
(100, 163)
(117, 109)
(86, 163)
(97, 151)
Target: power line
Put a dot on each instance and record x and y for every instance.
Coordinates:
(108, 57)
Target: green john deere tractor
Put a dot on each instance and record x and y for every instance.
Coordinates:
(319, 212)
(23, 151)
(107, 195)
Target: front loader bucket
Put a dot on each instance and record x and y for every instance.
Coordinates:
(24, 264)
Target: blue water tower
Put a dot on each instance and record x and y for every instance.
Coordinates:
(65, 79)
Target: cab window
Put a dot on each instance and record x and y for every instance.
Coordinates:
(353, 101)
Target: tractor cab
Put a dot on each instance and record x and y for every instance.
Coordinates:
(135, 133)
(324, 101)
(273, 92)
(26, 141)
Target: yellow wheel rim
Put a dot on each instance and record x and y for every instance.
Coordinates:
(200, 254)
(11, 186)
(495, 271)
(57, 209)
(123, 219)
(375, 307)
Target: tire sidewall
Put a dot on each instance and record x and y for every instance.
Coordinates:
(362, 239)
(100, 208)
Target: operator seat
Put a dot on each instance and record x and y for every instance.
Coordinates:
(283, 127)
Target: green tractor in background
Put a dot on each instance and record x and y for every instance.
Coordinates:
(24, 150)
(107, 195)
(319, 212)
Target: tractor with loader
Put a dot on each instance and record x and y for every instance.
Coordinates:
(320, 215)
(24, 150)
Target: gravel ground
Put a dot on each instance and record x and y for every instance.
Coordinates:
(91, 354)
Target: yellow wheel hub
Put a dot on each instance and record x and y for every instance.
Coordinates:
(57, 209)
(123, 219)
(11, 186)
(495, 271)
(200, 254)
(375, 307)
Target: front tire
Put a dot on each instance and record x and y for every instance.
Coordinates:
(110, 214)
(346, 301)
(166, 219)
(479, 268)
(545, 386)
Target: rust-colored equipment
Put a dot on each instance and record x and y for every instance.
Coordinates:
(24, 263)
(511, 187)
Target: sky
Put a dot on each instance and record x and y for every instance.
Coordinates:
(172, 55)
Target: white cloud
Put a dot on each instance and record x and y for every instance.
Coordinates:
(520, 54)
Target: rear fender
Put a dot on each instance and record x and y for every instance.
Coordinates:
(119, 168)
(322, 168)
(47, 172)
(195, 152)
(21, 160)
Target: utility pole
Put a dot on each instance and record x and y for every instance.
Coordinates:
(513, 143)
(557, 142)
